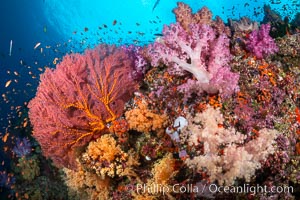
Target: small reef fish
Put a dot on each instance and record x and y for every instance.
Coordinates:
(155, 5)
(4, 139)
(37, 45)
(10, 47)
(7, 83)
(55, 61)
(158, 34)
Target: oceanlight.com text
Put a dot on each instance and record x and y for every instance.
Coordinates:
(209, 188)
(246, 188)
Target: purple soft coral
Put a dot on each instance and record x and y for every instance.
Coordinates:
(198, 51)
(140, 64)
(22, 147)
(260, 43)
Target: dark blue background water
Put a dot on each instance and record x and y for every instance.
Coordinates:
(22, 23)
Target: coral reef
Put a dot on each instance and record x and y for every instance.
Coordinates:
(77, 100)
(201, 106)
(289, 51)
(41, 188)
(163, 171)
(240, 33)
(271, 15)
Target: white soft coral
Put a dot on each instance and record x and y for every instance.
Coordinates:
(225, 155)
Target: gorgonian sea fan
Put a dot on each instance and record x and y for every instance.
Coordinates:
(75, 102)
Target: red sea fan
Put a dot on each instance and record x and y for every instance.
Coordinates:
(76, 101)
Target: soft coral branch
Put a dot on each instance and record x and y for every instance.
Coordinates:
(199, 52)
(260, 43)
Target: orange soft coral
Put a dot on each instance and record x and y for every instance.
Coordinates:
(105, 157)
(164, 170)
(86, 185)
(145, 120)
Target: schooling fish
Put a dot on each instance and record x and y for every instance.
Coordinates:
(155, 5)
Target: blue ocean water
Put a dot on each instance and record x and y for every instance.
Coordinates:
(58, 27)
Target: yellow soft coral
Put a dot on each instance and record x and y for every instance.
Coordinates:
(104, 148)
(159, 185)
(105, 157)
(164, 170)
(144, 120)
(86, 185)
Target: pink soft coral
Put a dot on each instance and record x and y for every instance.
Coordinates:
(198, 51)
(260, 43)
